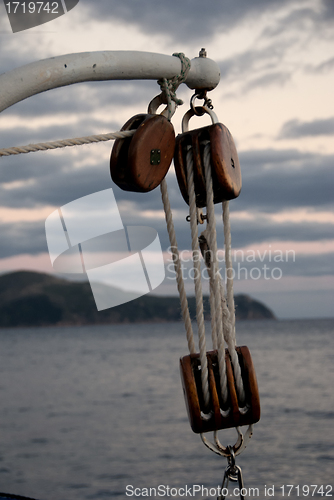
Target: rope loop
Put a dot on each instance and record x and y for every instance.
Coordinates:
(170, 86)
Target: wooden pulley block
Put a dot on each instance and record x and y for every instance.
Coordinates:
(139, 163)
(225, 166)
(219, 415)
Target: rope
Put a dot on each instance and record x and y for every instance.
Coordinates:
(168, 95)
(206, 254)
(225, 316)
(214, 271)
(169, 87)
(177, 266)
(197, 277)
(78, 141)
(228, 264)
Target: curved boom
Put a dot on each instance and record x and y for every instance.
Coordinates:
(47, 74)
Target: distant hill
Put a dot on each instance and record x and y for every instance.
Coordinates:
(37, 299)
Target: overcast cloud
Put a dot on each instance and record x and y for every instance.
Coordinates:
(277, 74)
(296, 128)
(194, 19)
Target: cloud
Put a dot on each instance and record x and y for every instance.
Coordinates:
(296, 129)
(22, 238)
(85, 99)
(263, 230)
(272, 78)
(324, 67)
(284, 179)
(259, 199)
(56, 185)
(290, 263)
(190, 20)
(29, 238)
(303, 17)
(327, 12)
(181, 21)
(256, 67)
(253, 59)
(19, 136)
(299, 17)
(273, 180)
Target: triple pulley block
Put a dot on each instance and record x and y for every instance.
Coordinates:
(224, 161)
(139, 164)
(220, 414)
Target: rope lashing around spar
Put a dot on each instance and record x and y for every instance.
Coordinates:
(170, 86)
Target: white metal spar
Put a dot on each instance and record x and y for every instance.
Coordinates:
(47, 74)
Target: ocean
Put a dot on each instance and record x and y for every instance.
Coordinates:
(90, 413)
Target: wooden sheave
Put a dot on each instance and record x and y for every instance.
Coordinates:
(139, 163)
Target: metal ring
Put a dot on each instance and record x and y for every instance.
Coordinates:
(196, 109)
(200, 95)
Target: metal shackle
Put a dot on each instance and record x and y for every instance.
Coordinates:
(197, 111)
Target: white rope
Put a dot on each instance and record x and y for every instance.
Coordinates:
(78, 141)
(170, 87)
(206, 254)
(197, 276)
(177, 266)
(229, 264)
(224, 318)
(214, 272)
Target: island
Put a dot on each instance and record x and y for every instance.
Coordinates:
(29, 299)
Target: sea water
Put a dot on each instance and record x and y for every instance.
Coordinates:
(98, 412)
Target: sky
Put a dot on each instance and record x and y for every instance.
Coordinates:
(275, 95)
